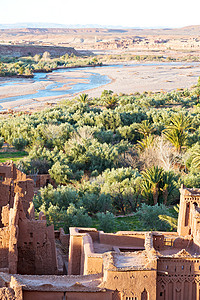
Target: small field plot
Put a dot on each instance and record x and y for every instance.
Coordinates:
(14, 156)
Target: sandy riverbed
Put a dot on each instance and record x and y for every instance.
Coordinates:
(127, 79)
(139, 78)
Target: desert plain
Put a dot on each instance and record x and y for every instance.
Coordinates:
(126, 76)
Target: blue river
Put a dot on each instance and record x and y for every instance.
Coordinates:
(93, 80)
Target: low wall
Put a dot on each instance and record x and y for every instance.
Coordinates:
(33, 295)
(119, 239)
(83, 260)
(76, 249)
(4, 246)
(75, 252)
(92, 263)
(93, 233)
(41, 180)
(38, 295)
(89, 295)
(182, 243)
(158, 242)
(64, 238)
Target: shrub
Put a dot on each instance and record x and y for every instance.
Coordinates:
(106, 221)
(1, 142)
(149, 217)
(19, 143)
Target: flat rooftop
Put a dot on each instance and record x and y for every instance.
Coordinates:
(136, 260)
(102, 248)
(60, 283)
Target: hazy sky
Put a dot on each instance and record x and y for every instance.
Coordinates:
(130, 13)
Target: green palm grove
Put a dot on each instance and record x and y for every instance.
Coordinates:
(111, 155)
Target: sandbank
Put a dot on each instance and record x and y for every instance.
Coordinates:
(125, 79)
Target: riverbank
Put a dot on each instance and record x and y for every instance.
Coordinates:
(149, 77)
(126, 78)
(11, 75)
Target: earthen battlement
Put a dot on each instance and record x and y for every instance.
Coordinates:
(126, 265)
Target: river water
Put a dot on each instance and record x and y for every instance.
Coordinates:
(72, 78)
(92, 80)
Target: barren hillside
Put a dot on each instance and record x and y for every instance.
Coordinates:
(181, 41)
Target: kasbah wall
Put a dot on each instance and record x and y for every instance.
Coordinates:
(38, 263)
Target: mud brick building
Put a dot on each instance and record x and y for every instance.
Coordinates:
(127, 265)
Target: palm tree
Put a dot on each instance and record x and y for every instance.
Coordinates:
(146, 142)
(151, 181)
(176, 132)
(196, 158)
(168, 185)
(172, 221)
(145, 128)
(111, 101)
(197, 91)
(83, 98)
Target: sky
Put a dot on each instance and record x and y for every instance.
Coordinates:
(126, 13)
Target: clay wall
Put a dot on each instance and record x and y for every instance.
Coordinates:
(158, 242)
(83, 260)
(18, 175)
(75, 254)
(27, 246)
(6, 171)
(4, 246)
(162, 242)
(89, 295)
(25, 190)
(7, 197)
(33, 295)
(93, 233)
(177, 288)
(41, 180)
(7, 293)
(132, 283)
(91, 263)
(178, 278)
(195, 226)
(36, 248)
(183, 218)
(9, 171)
(6, 194)
(122, 240)
(13, 181)
(181, 243)
(182, 266)
(64, 238)
(189, 200)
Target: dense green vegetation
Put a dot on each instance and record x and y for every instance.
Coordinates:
(142, 58)
(26, 66)
(109, 156)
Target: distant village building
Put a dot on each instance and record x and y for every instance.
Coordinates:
(126, 265)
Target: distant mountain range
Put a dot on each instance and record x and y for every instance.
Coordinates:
(37, 28)
(55, 25)
(31, 25)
